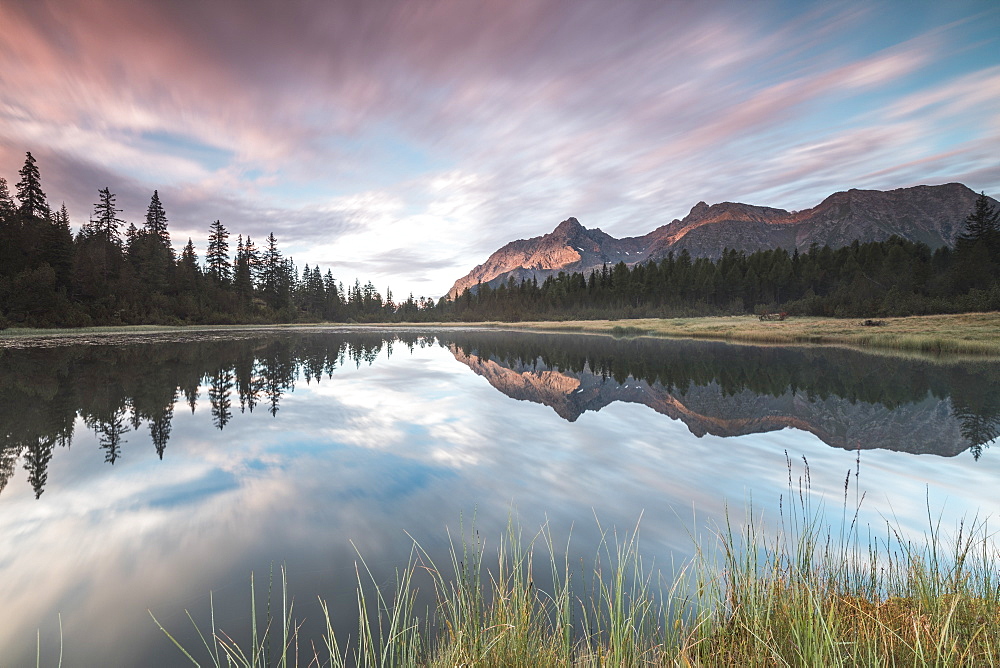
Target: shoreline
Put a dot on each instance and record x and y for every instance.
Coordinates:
(972, 334)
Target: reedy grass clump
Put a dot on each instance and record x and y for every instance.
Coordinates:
(795, 595)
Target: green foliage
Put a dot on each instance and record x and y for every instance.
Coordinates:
(29, 190)
(156, 220)
(106, 222)
(217, 257)
(982, 225)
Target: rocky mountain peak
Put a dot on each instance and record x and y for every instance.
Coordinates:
(571, 224)
(934, 215)
(698, 210)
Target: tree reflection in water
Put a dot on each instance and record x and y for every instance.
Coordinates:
(848, 398)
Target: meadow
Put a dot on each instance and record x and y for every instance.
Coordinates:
(957, 334)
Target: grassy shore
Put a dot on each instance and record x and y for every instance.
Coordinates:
(963, 334)
(967, 333)
(793, 595)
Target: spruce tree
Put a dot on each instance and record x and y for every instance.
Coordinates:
(29, 190)
(156, 221)
(983, 224)
(106, 220)
(217, 256)
(58, 248)
(242, 275)
(188, 273)
(131, 238)
(253, 260)
(271, 271)
(7, 207)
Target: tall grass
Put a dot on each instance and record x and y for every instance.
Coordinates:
(796, 593)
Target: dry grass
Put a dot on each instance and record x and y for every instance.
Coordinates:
(796, 594)
(967, 333)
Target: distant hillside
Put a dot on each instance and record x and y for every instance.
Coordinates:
(933, 215)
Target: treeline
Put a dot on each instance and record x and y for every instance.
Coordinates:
(894, 277)
(111, 273)
(115, 273)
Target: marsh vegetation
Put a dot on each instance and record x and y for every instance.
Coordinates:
(790, 593)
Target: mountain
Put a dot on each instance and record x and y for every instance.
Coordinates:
(934, 215)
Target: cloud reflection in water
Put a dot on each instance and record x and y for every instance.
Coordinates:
(412, 442)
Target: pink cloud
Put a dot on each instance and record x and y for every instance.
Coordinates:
(623, 114)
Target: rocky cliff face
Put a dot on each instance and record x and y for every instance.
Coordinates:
(569, 247)
(934, 215)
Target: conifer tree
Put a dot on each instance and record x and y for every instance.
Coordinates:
(983, 224)
(131, 237)
(253, 260)
(189, 256)
(271, 272)
(217, 256)
(58, 248)
(242, 274)
(156, 221)
(7, 207)
(106, 220)
(188, 273)
(29, 190)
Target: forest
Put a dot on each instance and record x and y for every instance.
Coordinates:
(113, 273)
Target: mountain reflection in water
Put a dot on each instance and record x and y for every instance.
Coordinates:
(846, 398)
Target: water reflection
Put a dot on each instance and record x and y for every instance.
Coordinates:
(196, 461)
(117, 389)
(847, 399)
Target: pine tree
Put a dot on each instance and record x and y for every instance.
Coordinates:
(253, 260)
(983, 224)
(271, 272)
(189, 256)
(333, 303)
(156, 221)
(106, 220)
(317, 291)
(131, 237)
(150, 250)
(188, 273)
(58, 248)
(217, 256)
(242, 274)
(7, 207)
(29, 190)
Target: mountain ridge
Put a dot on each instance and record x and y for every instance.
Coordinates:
(934, 215)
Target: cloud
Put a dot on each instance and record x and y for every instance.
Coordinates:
(414, 260)
(336, 125)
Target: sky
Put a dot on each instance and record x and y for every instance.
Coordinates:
(403, 142)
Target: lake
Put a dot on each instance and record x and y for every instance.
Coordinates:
(140, 473)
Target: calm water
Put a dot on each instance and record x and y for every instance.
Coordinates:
(140, 474)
